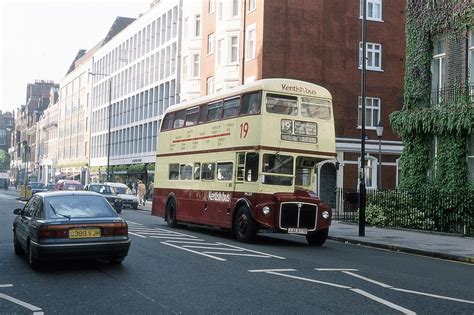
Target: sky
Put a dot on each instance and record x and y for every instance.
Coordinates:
(40, 38)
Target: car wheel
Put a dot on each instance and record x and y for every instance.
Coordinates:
(116, 261)
(318, 238)
(16, 245)
(245, 227)
(171, 213)
(32, 260)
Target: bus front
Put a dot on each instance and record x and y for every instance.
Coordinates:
(296, 135)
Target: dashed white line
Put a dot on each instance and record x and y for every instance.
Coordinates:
(434, 295)
(210, 247)
(335, 269)
(174, 238)
(193, 251)
(236, 254)
(252, 251)
(137, 234)
(271, 270)
(368, 280)
(6, 285)
(384, 302)
(21, 303)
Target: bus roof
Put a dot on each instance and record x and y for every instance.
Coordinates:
(278, 85)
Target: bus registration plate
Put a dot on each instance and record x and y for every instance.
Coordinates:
(297, 231)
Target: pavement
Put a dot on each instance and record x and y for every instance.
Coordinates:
(438, 245)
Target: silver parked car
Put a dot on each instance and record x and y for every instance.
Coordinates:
(129, 199)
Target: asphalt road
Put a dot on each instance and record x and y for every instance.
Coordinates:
(205, 271)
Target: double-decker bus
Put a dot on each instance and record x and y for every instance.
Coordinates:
(244, 160)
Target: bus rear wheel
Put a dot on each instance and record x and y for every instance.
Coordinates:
(171, 213)
(318, 238)
(245, 227)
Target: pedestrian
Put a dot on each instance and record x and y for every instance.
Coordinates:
(141, 193)
(150, 190)
(5, 185)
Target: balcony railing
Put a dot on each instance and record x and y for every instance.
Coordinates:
(439, 97)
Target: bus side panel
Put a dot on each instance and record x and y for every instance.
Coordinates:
(158, 206)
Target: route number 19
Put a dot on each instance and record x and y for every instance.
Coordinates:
(244, 130)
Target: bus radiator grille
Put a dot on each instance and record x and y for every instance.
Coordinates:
(289, 216)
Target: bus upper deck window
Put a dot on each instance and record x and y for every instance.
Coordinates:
(214, 111)
(231, 108)
(203, 113)
(251, 103)
(282, 104)
(315, 108)
(192, 116)
(168, 122)
(179, 119)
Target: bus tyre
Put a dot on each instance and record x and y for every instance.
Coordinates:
(171, 213)
(318, 238)
(245, 227)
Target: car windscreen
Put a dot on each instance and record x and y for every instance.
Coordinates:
(123, 190)
(37, 185)
(73, 187)
(71, 206)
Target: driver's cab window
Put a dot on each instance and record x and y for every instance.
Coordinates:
(251, 167)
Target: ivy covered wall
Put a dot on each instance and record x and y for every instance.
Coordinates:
(450, 122)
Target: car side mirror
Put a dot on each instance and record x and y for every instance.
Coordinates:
(18, 211)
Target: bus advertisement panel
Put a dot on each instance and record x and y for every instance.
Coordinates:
(244, 160)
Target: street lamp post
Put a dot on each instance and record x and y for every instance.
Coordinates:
(109, 113)
(379, 130)
(362, 133)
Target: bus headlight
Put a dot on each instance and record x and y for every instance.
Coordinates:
(286, 126)
(266, 211)
(325, 215)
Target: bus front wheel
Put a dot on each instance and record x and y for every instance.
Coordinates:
(171, 213)
(318, 238)
(245, 226)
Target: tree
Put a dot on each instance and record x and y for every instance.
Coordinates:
(4, 160)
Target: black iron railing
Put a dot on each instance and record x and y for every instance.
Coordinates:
(446, 95)
(426, 209)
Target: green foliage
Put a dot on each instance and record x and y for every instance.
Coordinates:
(140, 167)
(418, 123)
(150, 166)
(4, 160)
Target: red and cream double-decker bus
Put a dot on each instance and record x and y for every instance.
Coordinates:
(244, 160)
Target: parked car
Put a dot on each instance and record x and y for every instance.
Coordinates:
(69, 225)
(129, 199)
(51, 186)
(37, 187)
(109, 193)
(68, 184)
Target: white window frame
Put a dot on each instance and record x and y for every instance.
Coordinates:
(431, 173)
(369, 107)
(438, 62)
(196, 65)
(373, 52)
(211, 6)
(220, 52)
(197, 25)
(370, 171)
(471, 62)
(210, 44)
(251, 42)
(372, 4)
(232, 47)
(470, 157)
(252, 5)
(209, 85)
(236, 6)
(220, 10)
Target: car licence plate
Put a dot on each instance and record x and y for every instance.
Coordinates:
(84, 233)
(297, 231)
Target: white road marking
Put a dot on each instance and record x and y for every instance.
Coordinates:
(6, 285)
(134, 223)
(407, 291)
(193, 251)
(310, 280)
(384, 302)
(236, 254)
(174, 238)
(368, 280)
(252, 251)
(210, 247)
(334, 269)
(434, 295)
(21, 303)
(136, 234)
(187, 241)
(271, 270)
